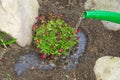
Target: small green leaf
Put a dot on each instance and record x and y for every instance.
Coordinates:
(10, 41)
(51, 22)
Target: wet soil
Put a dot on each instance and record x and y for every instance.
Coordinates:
(100, 42)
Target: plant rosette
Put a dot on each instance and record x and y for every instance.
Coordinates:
(53, 37)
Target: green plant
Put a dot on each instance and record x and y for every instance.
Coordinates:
(54, 37)
(4, 42)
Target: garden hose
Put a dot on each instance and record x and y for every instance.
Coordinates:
(102, 15)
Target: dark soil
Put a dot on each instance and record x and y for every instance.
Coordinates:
(100, 42)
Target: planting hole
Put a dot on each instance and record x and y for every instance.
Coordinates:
(68, 62)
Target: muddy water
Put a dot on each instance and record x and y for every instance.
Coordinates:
(68, 62)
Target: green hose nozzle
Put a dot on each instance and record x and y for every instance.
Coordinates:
(103, 15)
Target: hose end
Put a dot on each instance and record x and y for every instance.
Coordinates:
(84, 15)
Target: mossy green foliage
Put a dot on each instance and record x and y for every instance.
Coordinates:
(54, 36)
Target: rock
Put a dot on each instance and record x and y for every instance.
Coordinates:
(17, 17)
(107, 68)
(109, 5)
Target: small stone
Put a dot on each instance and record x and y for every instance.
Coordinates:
(67, 76)
(53, 65)
(107, 68)
(85, 76)
(23, 58)
(32, 68)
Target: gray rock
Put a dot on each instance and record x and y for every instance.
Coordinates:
(17, 18)
(107, 68)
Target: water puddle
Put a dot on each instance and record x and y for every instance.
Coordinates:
(68, 62)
